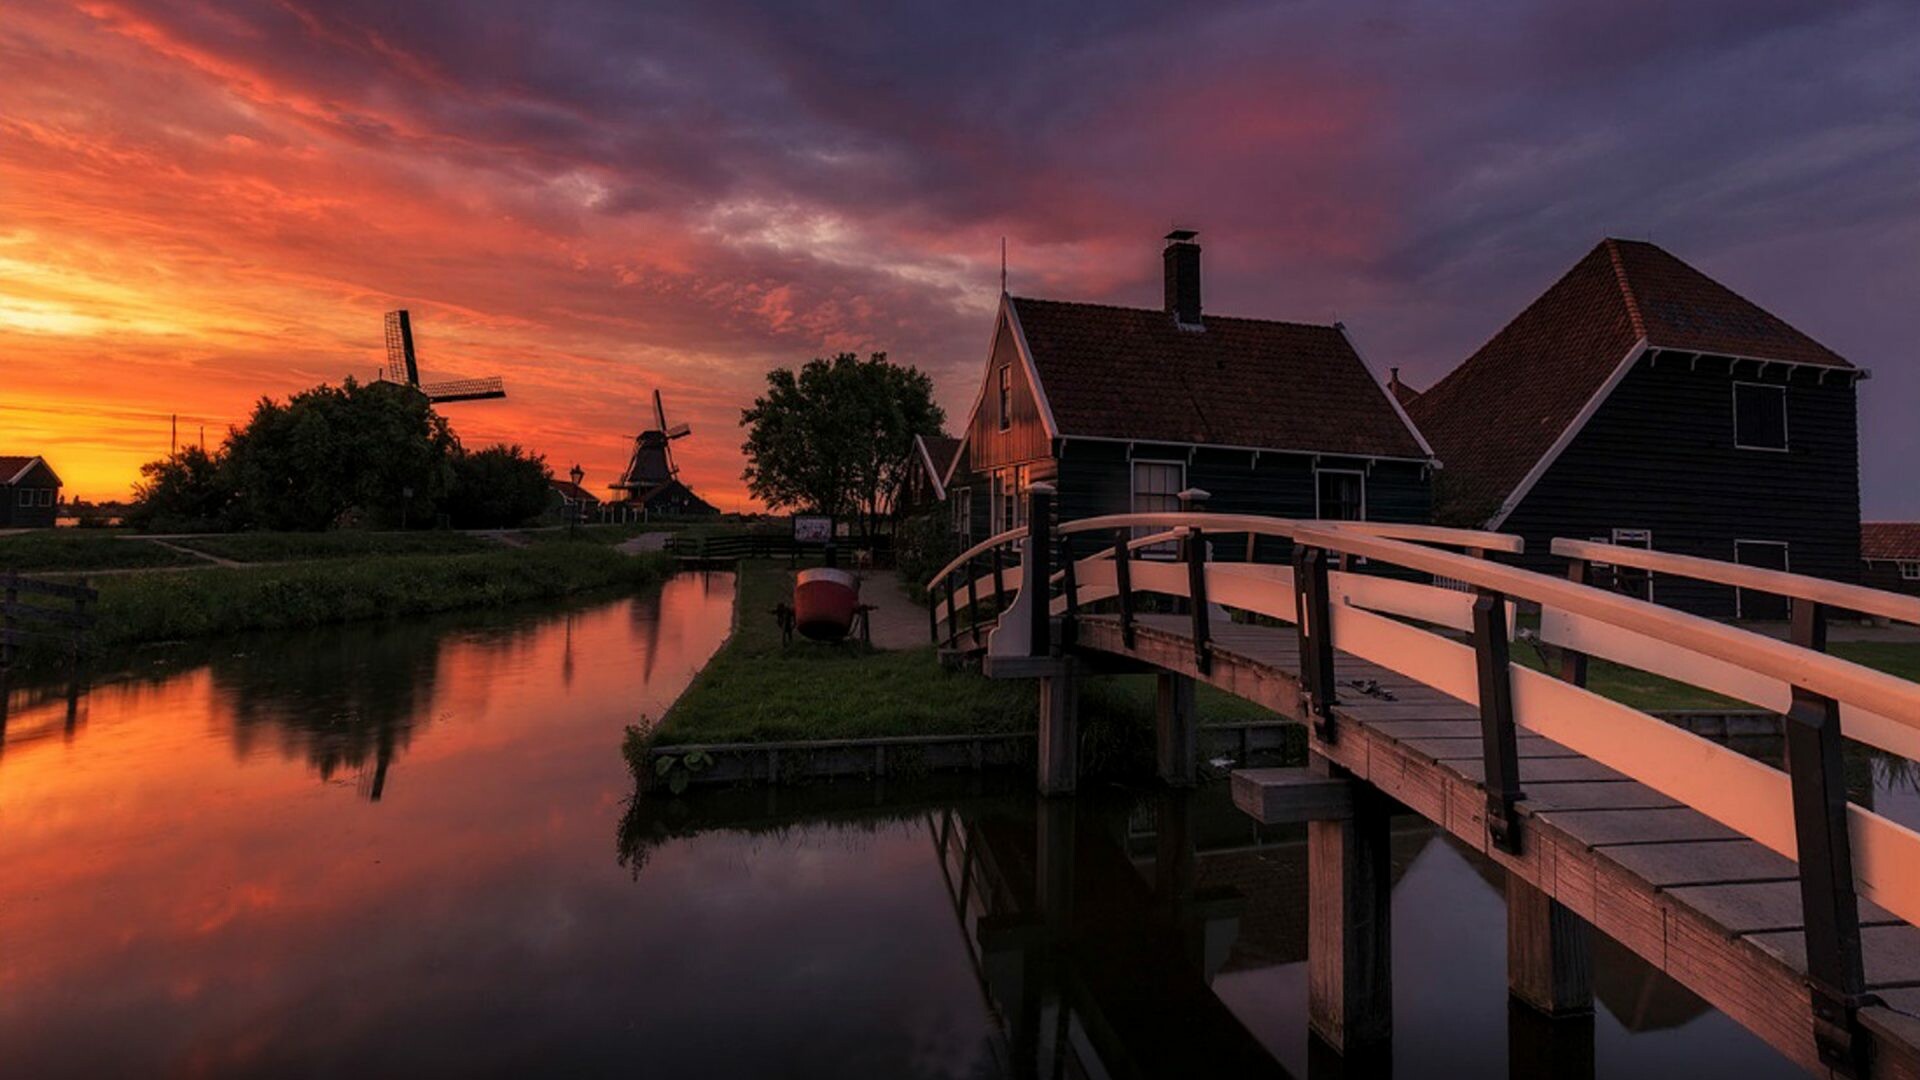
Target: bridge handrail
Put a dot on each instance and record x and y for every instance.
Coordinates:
(1830, 676)
(1779, 582)
(1473, 539)
(991, 542)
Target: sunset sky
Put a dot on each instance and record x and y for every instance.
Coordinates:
(206, 201)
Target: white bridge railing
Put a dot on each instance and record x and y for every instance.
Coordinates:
(1459, 641)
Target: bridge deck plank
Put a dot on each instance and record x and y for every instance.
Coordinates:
(1718, 912)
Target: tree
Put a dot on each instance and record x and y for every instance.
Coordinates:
(496, 487)
(836, 436)
(187, 490)
(377, 450)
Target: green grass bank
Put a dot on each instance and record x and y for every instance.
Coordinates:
(757, 689)
(139, 609)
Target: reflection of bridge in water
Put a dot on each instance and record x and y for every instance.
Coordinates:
(1765, 891)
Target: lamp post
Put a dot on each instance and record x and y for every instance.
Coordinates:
(406, 500)
(579, 504)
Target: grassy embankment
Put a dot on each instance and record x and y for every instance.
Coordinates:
(274, 547)
(86, 550)
(142, 608)
(756, 689)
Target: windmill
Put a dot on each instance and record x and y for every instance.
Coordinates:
(401, 366)
(652, 480)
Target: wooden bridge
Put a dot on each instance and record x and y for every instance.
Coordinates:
(1766, 892)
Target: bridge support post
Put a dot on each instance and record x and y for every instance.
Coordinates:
(1313, 616)
(1349, 939)
(1549, 953)
(1060, 730)
(1176, 730)
(1835, 970)
(1498, 737)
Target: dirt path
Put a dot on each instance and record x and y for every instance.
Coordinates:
(898, 622)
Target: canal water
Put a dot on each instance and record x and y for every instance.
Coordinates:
(408, 850)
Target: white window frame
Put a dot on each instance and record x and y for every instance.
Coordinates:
(996, 502)
(1786, 436)
(46, 496)
(1623, 537)
(1169, 549)
(1910, 571)
(1318, 510)
(26, 497)
(1786, 566)
(1006, 397)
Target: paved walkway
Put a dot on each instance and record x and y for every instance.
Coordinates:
(898, 622)
(646, 542)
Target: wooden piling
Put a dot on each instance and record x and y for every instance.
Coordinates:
(1549, 953)
(1349, 969)
(1060, 731)
(1176, 730)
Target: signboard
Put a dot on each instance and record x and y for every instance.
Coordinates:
(812, 528)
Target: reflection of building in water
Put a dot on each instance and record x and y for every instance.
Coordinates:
(1094, 966)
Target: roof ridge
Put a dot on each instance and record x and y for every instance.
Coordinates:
(1626, 287)
(1157, 311)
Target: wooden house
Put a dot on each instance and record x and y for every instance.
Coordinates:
(926, 478)
(1123, 408)
(571, 502)
(1890, 555)
(1639, 401)
(29, 493)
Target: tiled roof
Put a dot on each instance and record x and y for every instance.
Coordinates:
(1131, 373)
(570, 490)
(1493, 417)
(940, 452)
(1890, 540)
(12, 465)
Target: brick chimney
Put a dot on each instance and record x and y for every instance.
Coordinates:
(1182, 258)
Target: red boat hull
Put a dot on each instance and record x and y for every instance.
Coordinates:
(824, 603)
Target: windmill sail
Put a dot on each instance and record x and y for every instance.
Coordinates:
(401, 361)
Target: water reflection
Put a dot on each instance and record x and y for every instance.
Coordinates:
(1163, 935)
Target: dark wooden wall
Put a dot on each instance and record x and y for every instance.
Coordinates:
(1659, 454)
(1886, 575)
(34, 517)
(1097, 477)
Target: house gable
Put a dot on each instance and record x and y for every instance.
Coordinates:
(1503, 417)
(1023, 431)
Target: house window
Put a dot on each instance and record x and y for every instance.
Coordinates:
(1156, 490)
(46, 496)
(1759, 416)
(1340, 494)
(963, 515)
(26, 496)
(1910, 571)
(1759, 603)
(1632, 580)
(1006, 396)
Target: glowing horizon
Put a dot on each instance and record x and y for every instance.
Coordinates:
(203, 206)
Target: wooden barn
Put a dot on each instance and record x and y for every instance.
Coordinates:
(1890, 555)
(1122, 408)
(1639, 401)
(29, 493)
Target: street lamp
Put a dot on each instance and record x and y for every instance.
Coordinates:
(579, 504)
